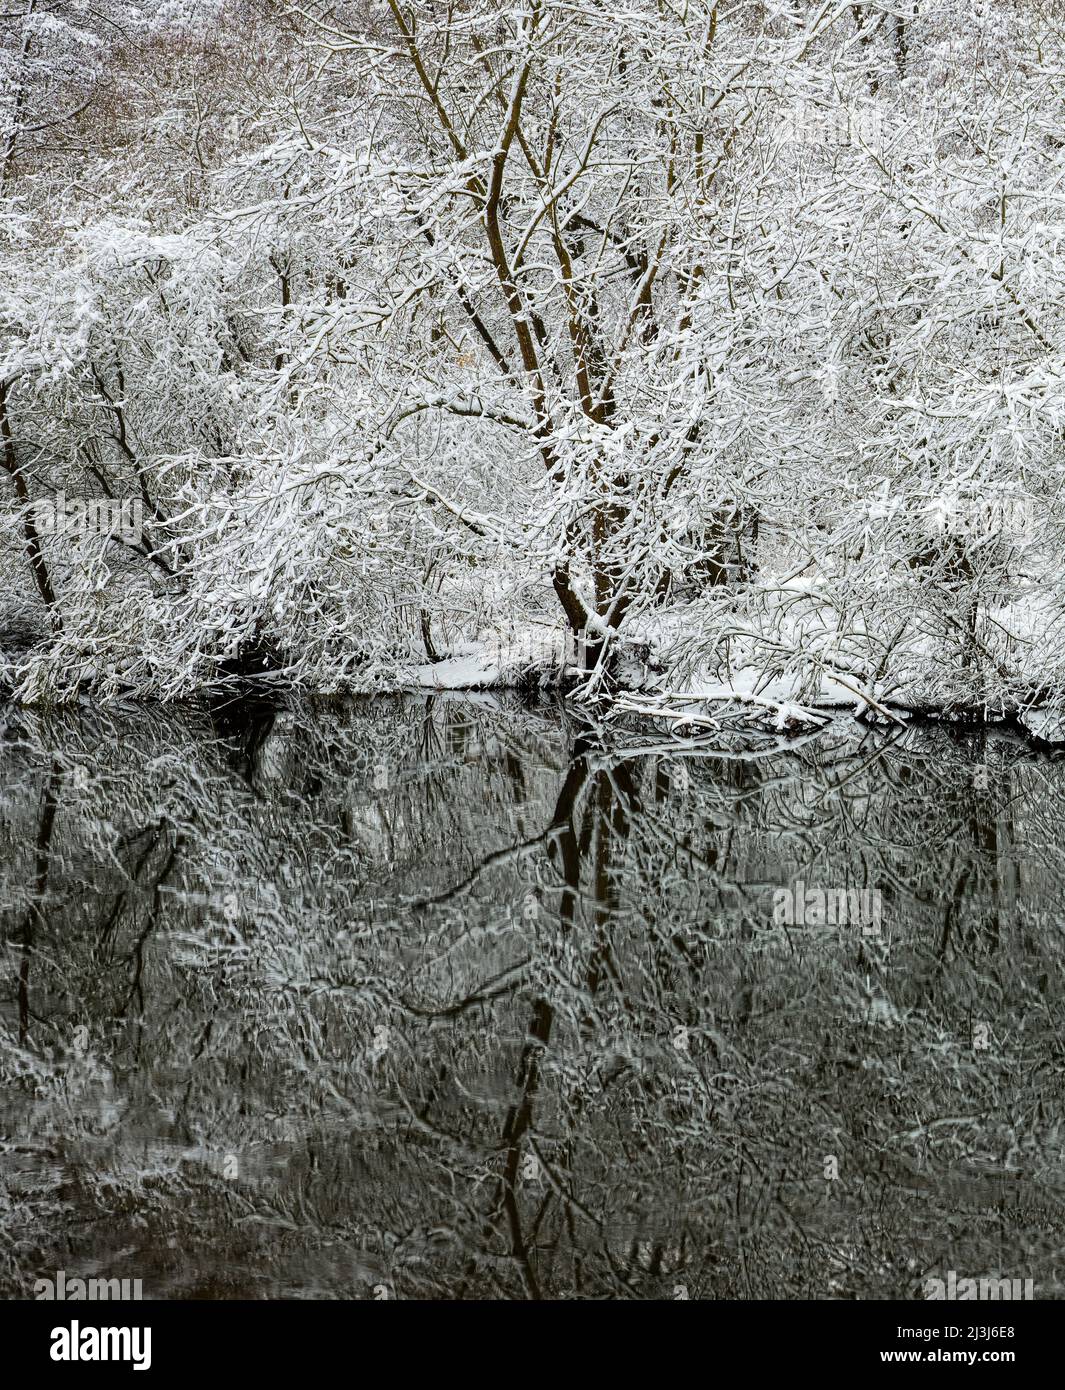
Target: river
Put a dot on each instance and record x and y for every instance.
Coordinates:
(454, 997)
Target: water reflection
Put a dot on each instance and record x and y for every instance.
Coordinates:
(450, 998)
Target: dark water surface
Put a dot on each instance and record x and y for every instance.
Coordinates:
(445, 997)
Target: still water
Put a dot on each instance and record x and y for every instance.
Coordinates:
(449, 997)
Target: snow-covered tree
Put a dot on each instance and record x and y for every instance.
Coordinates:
(712, 349)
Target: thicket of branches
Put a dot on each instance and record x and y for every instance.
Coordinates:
(726, 334)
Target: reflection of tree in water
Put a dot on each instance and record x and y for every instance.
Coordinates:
(468, 1001)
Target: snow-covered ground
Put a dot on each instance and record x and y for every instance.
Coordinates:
(785, 681)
